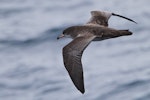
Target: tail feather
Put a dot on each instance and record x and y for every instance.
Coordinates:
(125, 32)
(114, 33)
(118, 33)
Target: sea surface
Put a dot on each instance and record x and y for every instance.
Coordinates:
(31, 63)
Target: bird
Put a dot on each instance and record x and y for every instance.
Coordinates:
(96, 29)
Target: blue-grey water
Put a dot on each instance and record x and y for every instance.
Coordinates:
(31, 64)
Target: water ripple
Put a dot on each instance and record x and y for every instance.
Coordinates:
(48, 35)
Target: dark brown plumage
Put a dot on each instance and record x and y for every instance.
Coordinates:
(95, 30)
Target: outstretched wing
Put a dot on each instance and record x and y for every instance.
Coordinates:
(100, 18)
(72, 54)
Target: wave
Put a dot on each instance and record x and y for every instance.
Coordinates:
(122, 88)
(48, 35)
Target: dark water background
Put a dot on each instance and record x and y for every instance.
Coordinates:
(31, 65)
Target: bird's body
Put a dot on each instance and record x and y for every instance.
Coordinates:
(100, 32)
(95, 30)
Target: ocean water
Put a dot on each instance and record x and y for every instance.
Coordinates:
(31, 64)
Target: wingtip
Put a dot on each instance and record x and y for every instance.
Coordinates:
(124, 18)
(82, 91)
(135, 22)
(80, 88)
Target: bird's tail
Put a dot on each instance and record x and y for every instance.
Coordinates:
(118, 33)
(113, 34)
(125, 32)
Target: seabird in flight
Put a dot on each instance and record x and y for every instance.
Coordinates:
(94, 30)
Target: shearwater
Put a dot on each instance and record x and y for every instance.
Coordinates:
(95, 30)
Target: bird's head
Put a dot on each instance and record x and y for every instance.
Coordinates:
(69, 33)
